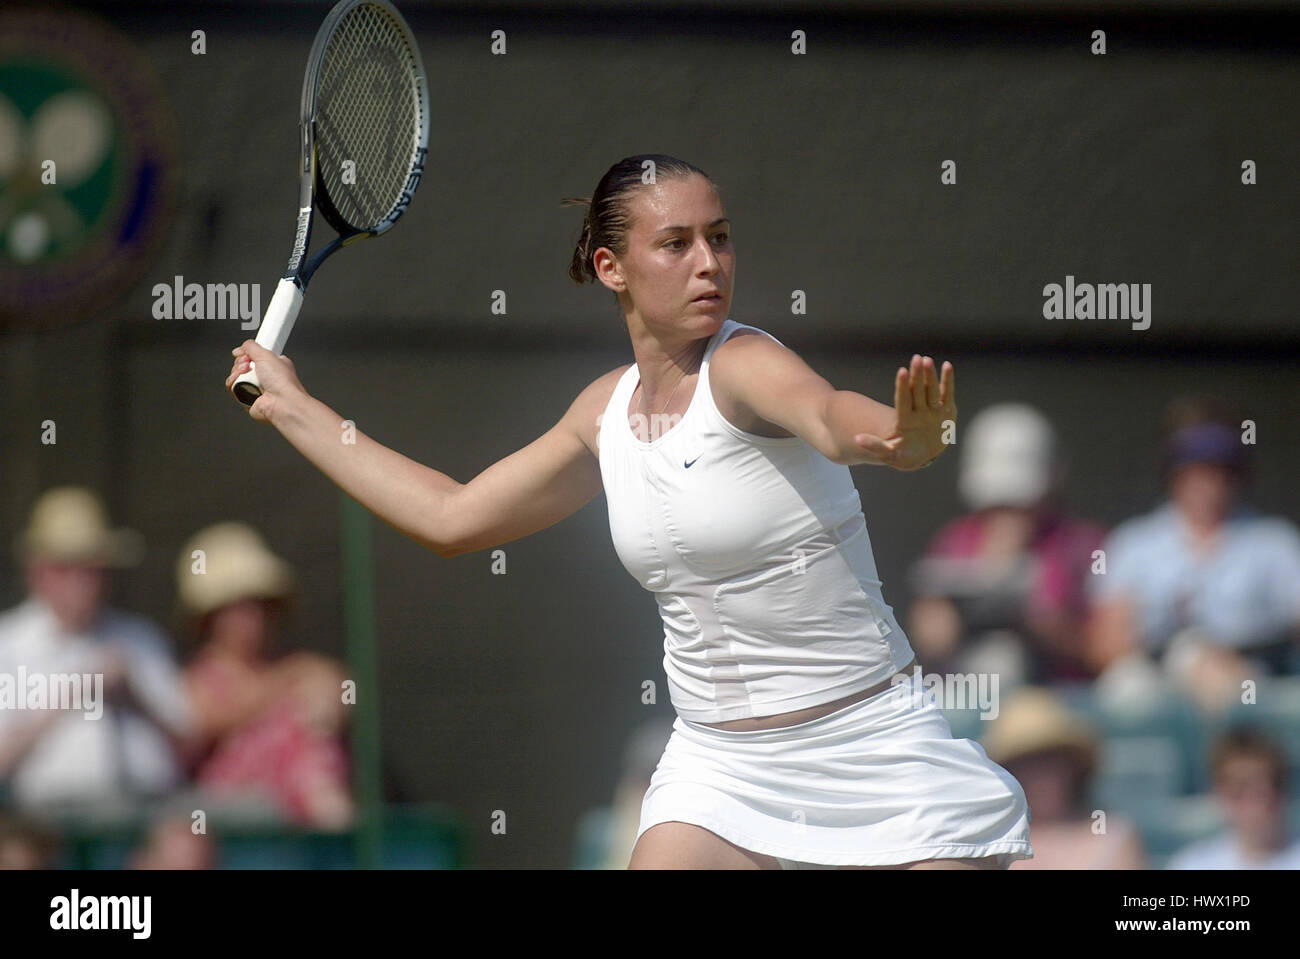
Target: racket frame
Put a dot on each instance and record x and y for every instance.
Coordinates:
(282, 311)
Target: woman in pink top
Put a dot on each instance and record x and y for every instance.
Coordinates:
(271, 728)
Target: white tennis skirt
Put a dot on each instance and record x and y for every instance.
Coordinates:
(879, 782)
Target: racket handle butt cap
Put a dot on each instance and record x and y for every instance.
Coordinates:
(246, 387)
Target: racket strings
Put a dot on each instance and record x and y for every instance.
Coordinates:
(368, 112)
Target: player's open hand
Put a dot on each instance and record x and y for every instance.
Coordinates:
(275, 374)
(924, 405)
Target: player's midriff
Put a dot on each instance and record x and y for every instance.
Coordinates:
(806, 715)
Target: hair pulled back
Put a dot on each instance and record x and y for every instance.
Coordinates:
(609, 217)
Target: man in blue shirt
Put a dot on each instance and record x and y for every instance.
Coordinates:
(1202, 562)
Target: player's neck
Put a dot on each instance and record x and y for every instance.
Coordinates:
(662, 370)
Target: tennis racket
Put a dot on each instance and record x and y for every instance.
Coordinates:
(365, 134)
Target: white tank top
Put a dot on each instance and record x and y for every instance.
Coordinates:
(757, 551)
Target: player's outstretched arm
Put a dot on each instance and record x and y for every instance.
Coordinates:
(533, 488)
(925, 409)
(846, 427)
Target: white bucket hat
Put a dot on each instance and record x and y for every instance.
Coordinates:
(1008, 457)
(70, 525)
(234, 564)
(1035, 720)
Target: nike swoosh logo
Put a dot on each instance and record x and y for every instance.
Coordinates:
(692, 462)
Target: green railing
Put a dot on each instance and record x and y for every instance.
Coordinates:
(426, 836)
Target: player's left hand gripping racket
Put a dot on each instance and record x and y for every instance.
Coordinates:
(365, 133)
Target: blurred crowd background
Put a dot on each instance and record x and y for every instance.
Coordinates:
(1147, 677)
(1113, 537)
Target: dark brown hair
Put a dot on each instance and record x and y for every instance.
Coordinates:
(609, 218)
(1249, 741)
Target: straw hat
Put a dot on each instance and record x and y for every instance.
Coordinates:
(1036, 720)
(70, 525)
(236, 565)
(1008, 457)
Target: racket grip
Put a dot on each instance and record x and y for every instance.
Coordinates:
(272, 335)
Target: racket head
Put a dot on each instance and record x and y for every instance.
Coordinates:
(365, 99)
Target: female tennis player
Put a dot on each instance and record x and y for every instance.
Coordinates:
(801, 739)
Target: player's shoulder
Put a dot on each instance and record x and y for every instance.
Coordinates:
(607, 381)
(585, 412)
(598, 392)
(747, 341)
(595, 396)
(745, 350)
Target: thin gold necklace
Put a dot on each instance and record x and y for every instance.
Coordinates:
(670, 395)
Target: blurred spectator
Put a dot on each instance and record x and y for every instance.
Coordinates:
(1053, 755)
(641, 755)
(1249, 770)
(1202, 561)
(1003, 589)
(269, 727)
(25, 844)
(171, 843)
(1208, 674)
(50, 753)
